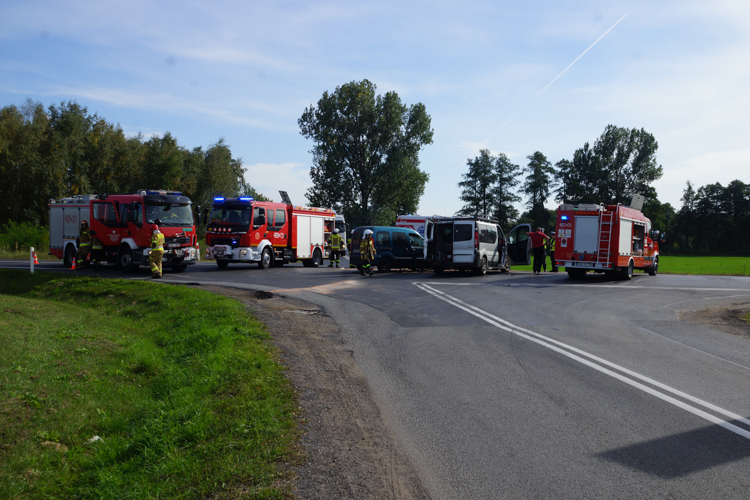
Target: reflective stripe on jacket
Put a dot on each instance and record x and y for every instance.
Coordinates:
(157, 241)
(84, 238)
(367, 249)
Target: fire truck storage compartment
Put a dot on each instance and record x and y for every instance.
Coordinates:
(586, 236)
(306, 227)
(626, 236)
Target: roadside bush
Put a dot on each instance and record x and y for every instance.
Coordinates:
(23, 236)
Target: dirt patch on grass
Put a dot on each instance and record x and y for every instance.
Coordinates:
(350, 451)
(728, 319)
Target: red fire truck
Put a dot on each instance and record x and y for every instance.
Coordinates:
(122, 223)
(614, 239)
(267, 233)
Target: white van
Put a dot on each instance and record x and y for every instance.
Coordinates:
(477, 244)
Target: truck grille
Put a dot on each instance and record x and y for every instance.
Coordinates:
(177, 241)
(225, 241)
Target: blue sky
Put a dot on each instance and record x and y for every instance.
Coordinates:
(246, 70)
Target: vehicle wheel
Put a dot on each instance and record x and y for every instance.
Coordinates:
(125, 260)
(385, 265)
(317, 259)
(627, 273)
(482, 269)
(180, 268)
(576, 274)
(506, 265)
(654, 268)
(68, 258)
(438, 270)
(266, 259)
(222, 263)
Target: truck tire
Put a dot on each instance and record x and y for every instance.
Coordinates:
(266, 259)
(506, 265)
(125, 261)
(626, 273)
(384, 265)
(654, 267)
(482, 269)
(315, 261)
(68, 258)
(222, 263)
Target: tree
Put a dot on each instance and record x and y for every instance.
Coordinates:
(164, 163)
(476, 188)
(537, 187)
(366, 152)
(506, 178)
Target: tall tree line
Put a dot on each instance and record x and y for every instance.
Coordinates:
(622, 162)
(64, 150)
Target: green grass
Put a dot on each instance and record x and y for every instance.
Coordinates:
(41, 254)
(181, 386)
(727, 266)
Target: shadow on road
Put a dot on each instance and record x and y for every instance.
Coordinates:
(683, 454)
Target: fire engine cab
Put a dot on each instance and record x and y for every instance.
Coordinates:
(243, 230)
(612, 239)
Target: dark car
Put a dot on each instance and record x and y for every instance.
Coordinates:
(395, 247)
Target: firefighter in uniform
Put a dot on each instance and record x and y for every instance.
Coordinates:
(84, 243)
(336, 242)
(551, 244)
(367, 253)
(97, 249)
(157, 251)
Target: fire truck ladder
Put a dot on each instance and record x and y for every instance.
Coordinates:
(605, 237)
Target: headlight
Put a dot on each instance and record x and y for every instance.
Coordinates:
(243, 253)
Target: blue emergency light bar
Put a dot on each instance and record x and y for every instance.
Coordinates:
(564, 217)
(246, 198)
(218, 198)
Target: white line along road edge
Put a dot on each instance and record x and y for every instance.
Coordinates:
(579, 355)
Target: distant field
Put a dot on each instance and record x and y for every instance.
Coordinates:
(726, 266)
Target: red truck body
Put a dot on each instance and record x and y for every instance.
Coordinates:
(122, 223)
(242, 230)
(614, 239)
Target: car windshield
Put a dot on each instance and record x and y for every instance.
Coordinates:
(169, 214)
(232, 215)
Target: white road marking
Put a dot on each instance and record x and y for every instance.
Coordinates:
(560, 347)
(591, 285)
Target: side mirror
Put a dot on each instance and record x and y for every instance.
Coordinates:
(198, 215)
(205, 214)
(663, 237)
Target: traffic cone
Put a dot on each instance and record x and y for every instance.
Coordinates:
(73, 267)
(36, 261)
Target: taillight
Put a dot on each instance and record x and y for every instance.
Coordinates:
(476, 238)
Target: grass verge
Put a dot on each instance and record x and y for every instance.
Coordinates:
(722, 266)
(180, 386)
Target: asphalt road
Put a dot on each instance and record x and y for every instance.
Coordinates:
(523, 386)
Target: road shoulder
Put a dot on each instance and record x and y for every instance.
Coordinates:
(350, 451)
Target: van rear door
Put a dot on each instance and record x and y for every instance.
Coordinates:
(518, 245)
(463, 242)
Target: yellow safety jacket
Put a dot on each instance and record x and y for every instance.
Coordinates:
(96, 244)
(84, 239)
(157, 241)
(552, 244)
(336, 241)
(367, 249)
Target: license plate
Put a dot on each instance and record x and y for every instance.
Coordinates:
(219, 252)
(585, 264)
(173, 245)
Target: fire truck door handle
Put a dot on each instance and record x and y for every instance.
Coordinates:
(265, 235)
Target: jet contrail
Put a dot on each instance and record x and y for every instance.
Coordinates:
(561, 73)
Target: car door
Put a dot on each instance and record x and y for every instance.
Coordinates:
(463, 242)
(401, 248)
(416, 248)
(519, 248)
(105, 224)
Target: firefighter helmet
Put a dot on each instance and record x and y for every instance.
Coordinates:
(154, 227)
(367, 233)
(84, 223)
(335, 231)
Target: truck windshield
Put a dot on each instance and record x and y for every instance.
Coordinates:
(232, 215)
(341, 226)
(169, 214)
